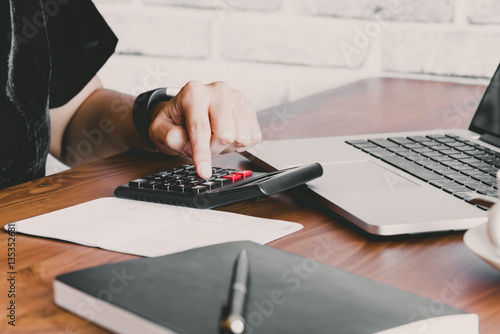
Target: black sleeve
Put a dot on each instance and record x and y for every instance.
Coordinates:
(80, 43)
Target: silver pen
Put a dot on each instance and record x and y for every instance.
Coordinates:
(233, 321)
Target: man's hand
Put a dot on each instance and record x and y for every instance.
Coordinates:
(203, 121)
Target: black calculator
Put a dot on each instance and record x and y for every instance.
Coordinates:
(182, 185)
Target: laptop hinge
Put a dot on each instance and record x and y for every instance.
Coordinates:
(492, 140)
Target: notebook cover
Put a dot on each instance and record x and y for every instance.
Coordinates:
(184, 292)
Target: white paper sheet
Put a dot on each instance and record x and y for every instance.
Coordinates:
(150, 229)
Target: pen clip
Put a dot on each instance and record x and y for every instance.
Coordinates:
(223, 318)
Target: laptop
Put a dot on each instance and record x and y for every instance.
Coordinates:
(406, 182)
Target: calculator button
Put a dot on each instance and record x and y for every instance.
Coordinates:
(244, 173)
(137, 183)
(232, 177)
(169, 179)
(181, 187)
(198, 189)
(231, 170)
(211, 184)
(151, 184)
(166, 186)
(222, 181)
(162, 174)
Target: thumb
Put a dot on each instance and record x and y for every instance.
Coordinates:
(168, 137)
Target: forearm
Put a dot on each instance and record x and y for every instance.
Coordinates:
(101, 126)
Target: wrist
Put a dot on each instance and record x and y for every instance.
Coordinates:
(144, 106)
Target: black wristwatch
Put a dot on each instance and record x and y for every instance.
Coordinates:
(143, 107)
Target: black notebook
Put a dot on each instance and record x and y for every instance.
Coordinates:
(184, 293)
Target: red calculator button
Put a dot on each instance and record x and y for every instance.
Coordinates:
(232, 177)
(244, 173)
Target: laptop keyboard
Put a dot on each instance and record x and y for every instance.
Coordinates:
(456, 165)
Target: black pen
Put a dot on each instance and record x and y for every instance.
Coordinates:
(234, 320)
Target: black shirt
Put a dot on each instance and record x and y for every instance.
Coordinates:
(49, 51)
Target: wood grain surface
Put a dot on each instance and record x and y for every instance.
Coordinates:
(437, 266)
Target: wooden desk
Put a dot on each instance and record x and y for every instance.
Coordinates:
(436, 266)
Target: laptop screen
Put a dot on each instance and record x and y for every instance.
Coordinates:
(487, 117)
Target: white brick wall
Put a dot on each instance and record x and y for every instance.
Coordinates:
(484, 12)
(313, 43)
(255, 5)
(446, 53)
(152, 35)
(280, 50)
(403, 10)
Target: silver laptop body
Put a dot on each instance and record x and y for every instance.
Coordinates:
(377, 196)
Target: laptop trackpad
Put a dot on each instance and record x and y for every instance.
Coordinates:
(355, 176)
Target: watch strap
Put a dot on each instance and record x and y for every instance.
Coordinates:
(143, 107)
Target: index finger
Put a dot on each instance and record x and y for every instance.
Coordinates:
(199, 133)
